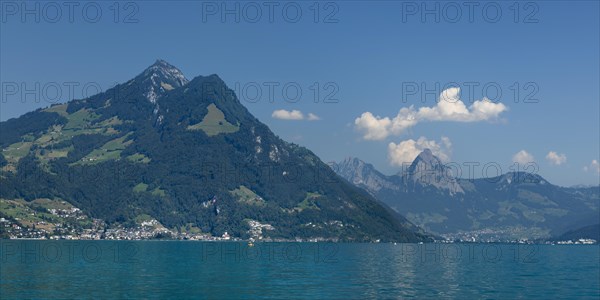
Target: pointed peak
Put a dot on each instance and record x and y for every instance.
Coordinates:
(161, 62)
(167, 70)
(426, 161)
(159, 78)
(427, 156)
(428, 170)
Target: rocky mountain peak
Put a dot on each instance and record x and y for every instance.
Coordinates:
(361, 173)
(159, 78)
(426, 160)
(428, 170)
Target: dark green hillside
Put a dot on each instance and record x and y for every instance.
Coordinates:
(185, 152)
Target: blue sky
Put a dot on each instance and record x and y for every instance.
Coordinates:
(363, 60)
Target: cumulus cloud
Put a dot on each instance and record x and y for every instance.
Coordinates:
(555, 158)
(283, 114)
(313, 117)
(523, 157)
(294, 115)
(374, 127)
(594, 167)
(446, 142)
(449, 108)
(406, 151)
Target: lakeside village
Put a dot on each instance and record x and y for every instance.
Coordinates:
(58, 220)
(147, 230)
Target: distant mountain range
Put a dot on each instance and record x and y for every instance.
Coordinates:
(512, 206)
(586, 232)
(188, 155)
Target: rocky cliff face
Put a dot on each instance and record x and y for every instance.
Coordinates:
(362, 174)
(428, 170)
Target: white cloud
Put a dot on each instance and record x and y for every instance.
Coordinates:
(407, 151)
(313, 117)
(555, 158)
(447, 143)
(523, 157)
(283, 114)
(375, 128)
(294, 115)
(449, 108)
(594, 167)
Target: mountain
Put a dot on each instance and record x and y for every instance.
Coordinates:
(512, 206)
(362, 174)
(183, 154)
(425, 172)
(428, 171)
(586, 232)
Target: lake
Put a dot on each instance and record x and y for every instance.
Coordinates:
(231, 270)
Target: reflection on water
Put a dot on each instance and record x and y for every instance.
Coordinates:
(179, 269)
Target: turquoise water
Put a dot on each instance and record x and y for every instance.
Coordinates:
(221, 270)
